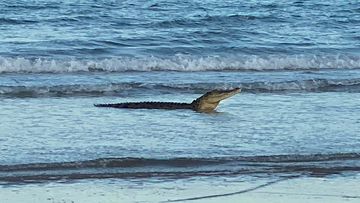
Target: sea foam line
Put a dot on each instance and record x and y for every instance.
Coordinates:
(180, 63)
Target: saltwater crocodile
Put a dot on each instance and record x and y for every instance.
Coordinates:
(206, 103)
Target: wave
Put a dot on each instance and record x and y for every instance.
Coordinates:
(12, 21)
(114, 89)
(181, 63)
(211, 19)
(32, 6)
(285, 165)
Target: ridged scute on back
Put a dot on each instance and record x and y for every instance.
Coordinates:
(148, 105)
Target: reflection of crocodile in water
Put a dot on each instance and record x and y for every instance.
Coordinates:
(206, 103)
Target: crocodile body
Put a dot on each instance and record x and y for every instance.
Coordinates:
(206, 103)
(149, 105)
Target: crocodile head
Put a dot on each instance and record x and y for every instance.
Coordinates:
(210, 100)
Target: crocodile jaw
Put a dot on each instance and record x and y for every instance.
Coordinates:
(209, 101)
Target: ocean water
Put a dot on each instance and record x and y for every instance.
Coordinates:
(297, 62)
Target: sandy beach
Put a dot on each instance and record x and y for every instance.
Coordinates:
(231, 189)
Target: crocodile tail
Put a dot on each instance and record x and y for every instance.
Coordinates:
(129, 105)
(108, 105)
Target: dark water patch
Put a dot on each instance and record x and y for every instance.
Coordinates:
(67, 90)
(313, 85)
(11, 21)
(116, 89)
(284, 165)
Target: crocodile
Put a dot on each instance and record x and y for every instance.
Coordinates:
(206, 103)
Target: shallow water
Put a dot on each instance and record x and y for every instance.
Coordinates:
(288, 129)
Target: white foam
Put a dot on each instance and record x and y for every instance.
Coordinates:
(180, 63)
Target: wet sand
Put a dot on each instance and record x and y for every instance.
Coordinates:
(222, 189)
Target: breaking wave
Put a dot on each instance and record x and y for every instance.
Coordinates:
(286, 165)
(113, 89)
(180, 63)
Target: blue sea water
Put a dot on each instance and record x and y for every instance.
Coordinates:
(297, 62)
